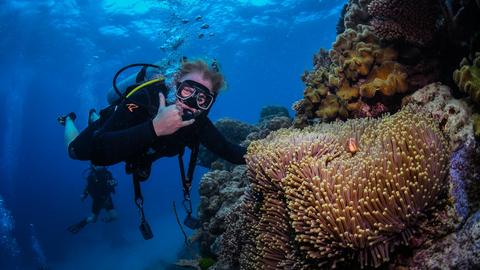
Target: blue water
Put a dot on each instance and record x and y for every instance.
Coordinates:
(58, 56)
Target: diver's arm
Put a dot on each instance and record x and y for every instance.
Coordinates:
(115, 146)
(111, 147)
(214, 141)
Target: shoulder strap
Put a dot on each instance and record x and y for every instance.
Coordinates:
(188, 179)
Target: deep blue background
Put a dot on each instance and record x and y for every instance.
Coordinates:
(55, 58)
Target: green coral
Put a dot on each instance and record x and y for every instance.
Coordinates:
(468, 77)
(476, 125)
(206, 262)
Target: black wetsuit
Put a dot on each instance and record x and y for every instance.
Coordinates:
(100, 187)
(128, 135)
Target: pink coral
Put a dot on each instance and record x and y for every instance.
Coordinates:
(411, 20)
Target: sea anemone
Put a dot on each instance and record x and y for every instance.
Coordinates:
(344, 191)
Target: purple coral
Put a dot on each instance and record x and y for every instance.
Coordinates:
(457, 174)
(411, 20)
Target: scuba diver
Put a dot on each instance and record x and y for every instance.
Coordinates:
(140, 126)
(100, 185)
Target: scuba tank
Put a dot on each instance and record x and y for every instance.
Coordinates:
(118, 89)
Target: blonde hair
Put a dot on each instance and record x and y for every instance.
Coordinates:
(217, 79)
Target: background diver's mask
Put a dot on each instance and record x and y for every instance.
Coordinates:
(196, 96)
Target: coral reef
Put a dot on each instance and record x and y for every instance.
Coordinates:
(454, 115)
(235, 132)
(269, 112)
(356, 12)
(413, 21)
(476, 125)
(388, 79)
(457, 123)
(191, 264)
(220, 191)
(465, 178)
(458, 250)
(266, 127)
(468, 77)
(206, 263)
(307, 207)
(357, 79)
(230, 244)
(342, 204)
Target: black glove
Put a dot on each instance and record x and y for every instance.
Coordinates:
(75, 228)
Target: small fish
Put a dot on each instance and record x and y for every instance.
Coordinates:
(352, 145)
(184, 21)
(201, 35)
(205, 26)
(198, 18)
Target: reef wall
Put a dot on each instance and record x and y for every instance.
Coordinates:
(348, 186)
(387, 50)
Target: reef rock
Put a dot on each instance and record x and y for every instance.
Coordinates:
(266, 127)
(270, 112)
(220, 191)
(356, 12)
(454, 115)
(459, 250)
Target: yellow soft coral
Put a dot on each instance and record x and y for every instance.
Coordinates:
(468, 77)
(314, 95)
(358, 61)
(389, 78)
(359, 68)
(329, 107)
(347, 92)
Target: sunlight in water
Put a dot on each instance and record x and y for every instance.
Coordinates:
(256, 2)
(128, 6)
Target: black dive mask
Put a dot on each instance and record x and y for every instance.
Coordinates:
(196, 96)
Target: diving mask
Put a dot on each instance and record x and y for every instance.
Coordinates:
(195, 95)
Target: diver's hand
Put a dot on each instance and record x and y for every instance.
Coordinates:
(168, 118)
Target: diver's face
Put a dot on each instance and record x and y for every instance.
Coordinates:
(196, 77)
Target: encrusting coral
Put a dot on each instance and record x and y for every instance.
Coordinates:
(414, 21)
(454, 115)
(343, 191)
(356, 12)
